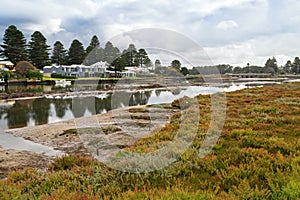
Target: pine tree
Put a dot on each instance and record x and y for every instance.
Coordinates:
(296, 66)
(130, 55)
(176, 64)
(157, 63)
(14, 45)
(93, 44)
(38, 50)
(76, 52)
(59, 54)
(142, 58)
(110, 52)
(94, 53)
(272, 63)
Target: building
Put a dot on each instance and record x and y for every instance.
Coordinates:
(6, 65)
(96, 70)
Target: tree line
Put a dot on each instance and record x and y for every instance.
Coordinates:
(270, 67)
(15, 48)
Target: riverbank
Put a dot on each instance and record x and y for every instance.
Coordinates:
(121, 127)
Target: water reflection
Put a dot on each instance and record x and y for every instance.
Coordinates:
(39, 111)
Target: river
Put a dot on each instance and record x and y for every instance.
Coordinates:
(38, 111)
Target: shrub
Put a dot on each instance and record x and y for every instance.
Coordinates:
(23, 66)
(54, 75)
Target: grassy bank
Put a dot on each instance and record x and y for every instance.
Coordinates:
(256, 157)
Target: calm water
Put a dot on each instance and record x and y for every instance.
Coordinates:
(32, 112)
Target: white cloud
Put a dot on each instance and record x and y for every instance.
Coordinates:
(225, 25)
(48, 27)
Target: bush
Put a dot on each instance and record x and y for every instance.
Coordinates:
(23, 66)
(34, 74)
(62, 76)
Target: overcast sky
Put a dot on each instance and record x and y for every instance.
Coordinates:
(234, 32)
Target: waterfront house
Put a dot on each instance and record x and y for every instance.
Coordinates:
(96, 70)
(6, 65)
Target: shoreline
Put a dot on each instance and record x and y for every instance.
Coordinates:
(121, 127)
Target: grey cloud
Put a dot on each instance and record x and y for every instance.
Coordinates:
(197, 19)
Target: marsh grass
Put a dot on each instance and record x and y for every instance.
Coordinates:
(256, 157)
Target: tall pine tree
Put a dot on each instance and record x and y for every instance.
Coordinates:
(110, 52)
(94, 53)
(93, 44)
(59, 54)
(38, 50)
(76, 53)
(142, 58)
(272, 64)
(14, 45)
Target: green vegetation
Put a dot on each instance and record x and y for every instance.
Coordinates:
(14, 45)
(256, 157)
(23, 67)
(34, 74)
(62, 76)
(38, 50)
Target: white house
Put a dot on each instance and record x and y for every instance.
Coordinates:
(5, 65)
(96, 70)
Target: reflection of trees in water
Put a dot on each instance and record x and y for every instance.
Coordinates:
(140, 98)
(3, 111)
(80, 105)
(102, 105)
(18, 115)
(176, 91)
(40, 111)
(61, 106)
(158, 92)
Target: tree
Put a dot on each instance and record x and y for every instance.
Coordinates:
(5, 75)
(184, 71)
(14, 45)
(131, 53)
(268, 70)
(296, 66)
(157, 63)
(23, 66)
(194, 71)
(76, 52)
(288, 67)
(126, 59)
(224, 69)
(59, 54)
(272, 63)
(93, 44)
(94, 53)
(38, 50)
(110, 52)
(237, 70)
(142, 58)
(176, 64)
(119, 63)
